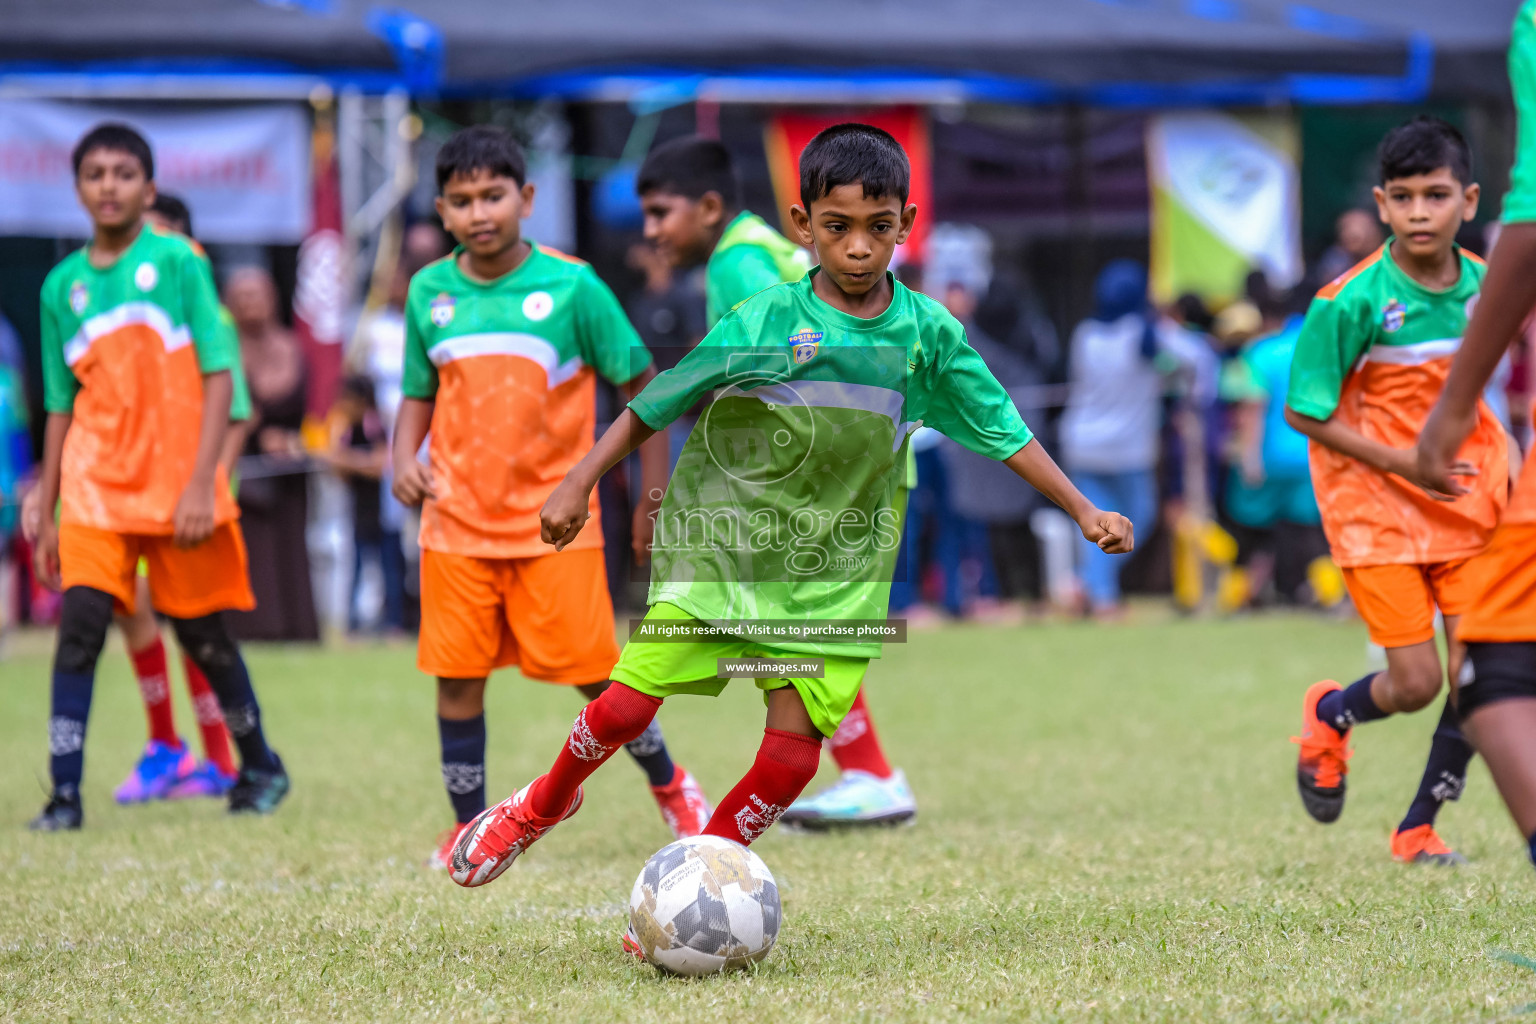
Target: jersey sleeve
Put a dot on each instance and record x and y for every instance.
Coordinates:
(608, 341)
(1520, 201)
(953, 392)
(59, 382)
(214, 344)
(1331, 341)
(707, 366)
(736, 275)
(419, 377)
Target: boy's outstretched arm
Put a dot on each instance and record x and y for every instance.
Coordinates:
(1330, 433)
(1508, 293)
(1111, 531)
(653, 475)
(413, 479)
(193, 521)
(566, 511)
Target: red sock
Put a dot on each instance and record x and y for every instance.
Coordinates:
(785, 765)
(210, 718)
(149, 667)
(855, 745)
(617, 716)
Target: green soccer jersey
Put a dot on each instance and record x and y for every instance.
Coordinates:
(1520, 202)
(124, 350)
(511, 366)
(1373, 353)
(785, 503)
(749, 257)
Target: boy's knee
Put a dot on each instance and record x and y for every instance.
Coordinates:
(208, 643)
(460, 698)
(1416, 686)
(84, 619)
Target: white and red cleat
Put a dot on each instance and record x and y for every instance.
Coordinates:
(445, 843)
(684, 807)
(498, 835)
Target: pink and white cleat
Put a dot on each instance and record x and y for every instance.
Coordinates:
(684, 807)
(493, 840)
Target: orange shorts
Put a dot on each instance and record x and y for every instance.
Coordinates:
(550, 615)
(184, 583)
(1398, 602)
(1505, 611)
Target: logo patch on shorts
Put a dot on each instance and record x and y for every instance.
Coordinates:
(538, 305)
(442, 310)
(79, 295)
(804, 344)
(146, 277)
(1392, 316)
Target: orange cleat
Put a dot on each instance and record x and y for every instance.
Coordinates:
(684, 807)
(445, 843)
(1324, 758)
(1420, 845)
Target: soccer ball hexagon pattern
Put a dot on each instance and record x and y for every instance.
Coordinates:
(703, 905)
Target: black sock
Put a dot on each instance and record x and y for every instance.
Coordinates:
(208, 643)
(650, 752)
(1445, 773)
(84, 619)
(463, 743)
(1531, 845)
(1344, 709)
(66, 730)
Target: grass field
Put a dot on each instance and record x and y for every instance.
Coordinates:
(1109, 832)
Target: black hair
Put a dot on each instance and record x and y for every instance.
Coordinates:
(1421, 146)
(119, 137)
(691, 166)
(848, 154)
(173, 209)
(481, 147)
(360, 387)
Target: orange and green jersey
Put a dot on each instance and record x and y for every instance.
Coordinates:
(1374, 353)
(1520, 201)
(125, 348)
(512, 365)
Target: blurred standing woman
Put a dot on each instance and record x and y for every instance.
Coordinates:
(1109, 432)
(274, 498)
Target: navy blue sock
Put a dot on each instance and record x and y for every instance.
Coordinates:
(208, 643)
(463, 742)
(650, 752)
(1445, 773)
(1531, 844)
(1344, 709)
(71, 707)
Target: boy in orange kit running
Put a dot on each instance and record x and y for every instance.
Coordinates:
(504, 340)
(1370, 362)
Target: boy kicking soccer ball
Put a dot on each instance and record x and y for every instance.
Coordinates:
(1497, 697)
(504, 339)
(136, 368)
(1371, 360)
(692, 203)
(781, 506)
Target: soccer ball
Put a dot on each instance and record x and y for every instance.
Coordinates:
(703, 905)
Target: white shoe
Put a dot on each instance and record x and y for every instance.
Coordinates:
(858, 798)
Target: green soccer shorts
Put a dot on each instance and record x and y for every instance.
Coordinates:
(667, 668)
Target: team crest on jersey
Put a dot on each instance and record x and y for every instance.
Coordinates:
(442, 310)
(803, 345)
(538, 305)
(1392, 316)
(79, 295)
(146, 277)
